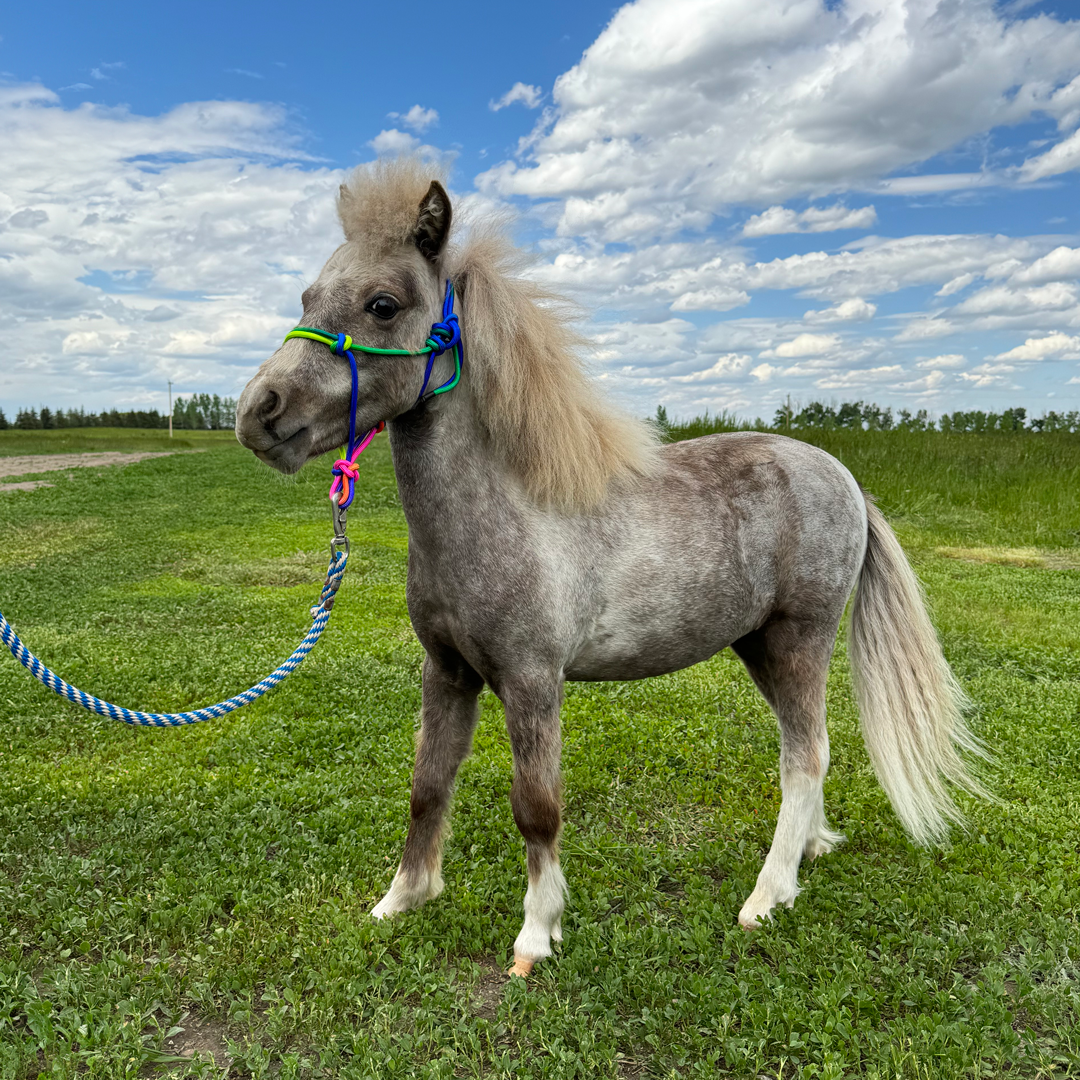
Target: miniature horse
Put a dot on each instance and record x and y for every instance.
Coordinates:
(552, 538)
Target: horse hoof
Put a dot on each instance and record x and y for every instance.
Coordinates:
(522, 968)
(755, 921)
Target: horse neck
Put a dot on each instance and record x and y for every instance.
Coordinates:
(442, 463)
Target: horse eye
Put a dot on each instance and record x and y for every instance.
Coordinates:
(383, 307)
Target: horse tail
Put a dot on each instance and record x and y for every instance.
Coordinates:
(912, 706)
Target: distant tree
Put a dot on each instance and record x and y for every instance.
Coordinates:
(783, 417)
(28, 419)
(1013, 419)
(4, 425)
(46, 417)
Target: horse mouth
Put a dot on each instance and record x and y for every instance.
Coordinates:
(291, 454)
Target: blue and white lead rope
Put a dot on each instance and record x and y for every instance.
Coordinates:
(320, 615)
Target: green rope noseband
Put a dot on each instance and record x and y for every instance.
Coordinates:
(445, 336)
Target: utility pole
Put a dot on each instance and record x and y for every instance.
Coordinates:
(170, 408)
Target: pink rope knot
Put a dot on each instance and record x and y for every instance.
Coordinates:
(346, 471)
(345, 467)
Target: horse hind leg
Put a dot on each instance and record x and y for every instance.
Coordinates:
(532, 720)
(448, 718)
(789, 660)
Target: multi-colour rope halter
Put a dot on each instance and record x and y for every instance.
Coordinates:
(444, 336)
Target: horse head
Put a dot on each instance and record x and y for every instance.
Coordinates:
(383, 288)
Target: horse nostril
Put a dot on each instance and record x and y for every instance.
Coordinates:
(269, 407)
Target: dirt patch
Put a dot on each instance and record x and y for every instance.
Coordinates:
(42, 463)
(203, 1037)
(1029, 557)
(25, 485)
(489, 990)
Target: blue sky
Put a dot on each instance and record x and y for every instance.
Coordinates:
(752, 198)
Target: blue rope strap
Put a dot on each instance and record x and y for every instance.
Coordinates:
(320, 612)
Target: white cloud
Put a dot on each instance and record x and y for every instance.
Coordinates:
(418, 118)
(392, 141)
(854, 310)
(192, 233)
(859, 377)
(1006, 300)
(927, 384)
(1052, 346)
(779, 219)
(527, 95)
(685, 107)
(700, 276)
(956, 284)
(806, 345)
(926, 327)
(722, 370)
(987, 375)
(100, 72)
(717, 298)
(1061, 264)
(949, 360)
(764, 372)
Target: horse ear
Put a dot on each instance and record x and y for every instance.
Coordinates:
(433, 222)
(345, 202)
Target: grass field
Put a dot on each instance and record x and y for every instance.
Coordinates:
(217, 878)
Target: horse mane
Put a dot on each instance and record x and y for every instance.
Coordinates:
(541, 412)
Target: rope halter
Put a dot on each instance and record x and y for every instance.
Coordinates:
(445, 336)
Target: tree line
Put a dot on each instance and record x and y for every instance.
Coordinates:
(199, 412)
(870, 417)
(859, 416)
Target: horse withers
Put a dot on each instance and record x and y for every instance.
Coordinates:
(551, 537)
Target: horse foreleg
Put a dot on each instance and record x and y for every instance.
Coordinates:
(448, 718)
(789, 661)
(532, 719)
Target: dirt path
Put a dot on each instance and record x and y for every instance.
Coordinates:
(29, 464)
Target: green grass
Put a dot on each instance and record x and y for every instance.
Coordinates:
(217, 878)
(94, 440)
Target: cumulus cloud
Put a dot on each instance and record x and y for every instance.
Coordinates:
(417, 118)
(927, 384)
(1052, 346)
(723, 369)
(520, 92)
(988, 375)
(949, 360)
(926, 327)
(703, 276)
(858, 377)
(854, 310)
(1061, 264)
(685, 108)
(390, 142)
(1007, 300)
(806, 345)
(173, 246)
(780, 219)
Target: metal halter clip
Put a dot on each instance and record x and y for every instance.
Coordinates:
(339, 516)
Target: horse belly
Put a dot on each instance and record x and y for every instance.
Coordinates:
(642, 639)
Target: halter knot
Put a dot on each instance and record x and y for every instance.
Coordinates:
(345, 467)
(343, 344)
(444, 335)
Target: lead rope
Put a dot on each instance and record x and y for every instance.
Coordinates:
(445, 335)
